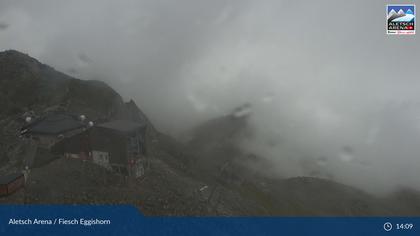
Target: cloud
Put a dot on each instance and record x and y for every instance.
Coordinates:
(3, 25)
(319, 82)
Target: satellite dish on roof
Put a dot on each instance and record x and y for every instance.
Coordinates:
(82, 117)
(90, 123)
(28, 119)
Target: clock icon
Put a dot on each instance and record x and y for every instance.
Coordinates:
(387, 226)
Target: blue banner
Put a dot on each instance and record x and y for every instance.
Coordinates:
(127, 220)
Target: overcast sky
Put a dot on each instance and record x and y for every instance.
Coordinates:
(324, 79)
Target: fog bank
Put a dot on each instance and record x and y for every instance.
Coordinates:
(325, 82)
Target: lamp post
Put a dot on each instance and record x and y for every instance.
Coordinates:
(26, 172)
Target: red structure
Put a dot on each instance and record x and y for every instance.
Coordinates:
(11, 183)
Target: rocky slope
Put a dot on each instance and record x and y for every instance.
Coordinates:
(204, 176)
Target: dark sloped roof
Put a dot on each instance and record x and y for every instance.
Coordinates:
(55, 124)
(5, 179)
(122, 125)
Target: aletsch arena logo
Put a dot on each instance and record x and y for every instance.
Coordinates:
(401, 18)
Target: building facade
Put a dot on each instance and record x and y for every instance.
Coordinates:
(41, 135)
(11, 183)
(117, 145)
